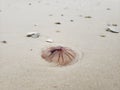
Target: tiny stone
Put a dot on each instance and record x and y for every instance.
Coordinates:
(50, 15)
(62, 15)
(107, 29)
(35, 25)
(58, 23)
(30, 3)
(102, 35)
(108, 9)
(28, 35)
(114, 24)
(88, 17)
(57, 31)
(4, 41)
(30, 49)
(71, 20)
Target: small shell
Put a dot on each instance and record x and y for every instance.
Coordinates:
(49, 40)
(113, 29)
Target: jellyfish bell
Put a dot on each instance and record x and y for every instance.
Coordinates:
(60, 55)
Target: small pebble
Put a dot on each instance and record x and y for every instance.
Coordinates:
(114, 24)
(62, 15)
(71, 20)
(58, 23)
(88, 17)
(30, 3)
(4, 42)
(102, 35)
(50, 15)
(57, 31)
(35, 25)
(108, 9)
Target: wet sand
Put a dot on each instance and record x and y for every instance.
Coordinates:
(79, 24)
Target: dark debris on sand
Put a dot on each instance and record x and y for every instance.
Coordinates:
(30, 4)
(35, 25)
(108, 9)
(62, 15)
(57, 31)
(58, 23)
(4, 42)
(71, 20)
(88, 17)
(102, 35)
(50, 15)
(112, 24)
(33, 34)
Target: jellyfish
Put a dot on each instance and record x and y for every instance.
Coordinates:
(59, 55)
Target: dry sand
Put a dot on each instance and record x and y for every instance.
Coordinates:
(82, 27)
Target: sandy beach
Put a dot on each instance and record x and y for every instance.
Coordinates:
(78, 24)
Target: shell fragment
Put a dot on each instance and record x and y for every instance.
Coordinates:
(113, 29)
(33, 34)
(49, 40)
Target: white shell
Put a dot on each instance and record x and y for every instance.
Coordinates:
(49, 40)
(113, 29)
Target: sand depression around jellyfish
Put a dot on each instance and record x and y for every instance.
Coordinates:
(60, 55)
